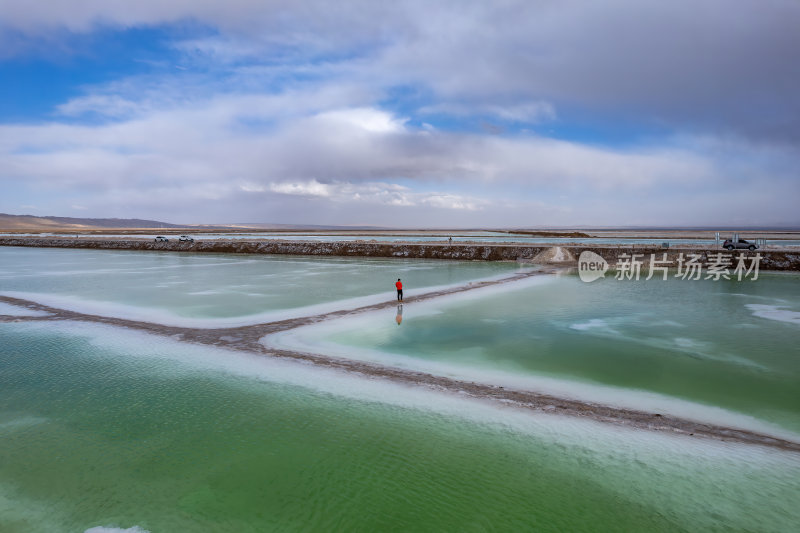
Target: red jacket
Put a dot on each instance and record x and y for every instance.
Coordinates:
(399, 286)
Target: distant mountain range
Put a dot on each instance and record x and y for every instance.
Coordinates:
(31, 222)
(37, 223)
(24, 223)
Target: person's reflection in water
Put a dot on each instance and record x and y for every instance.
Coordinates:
(399, 317)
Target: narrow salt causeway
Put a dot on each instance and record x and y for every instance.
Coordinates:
(15, 310)
(626, 345)
(632, 408)
(219, 290)
(556, 254)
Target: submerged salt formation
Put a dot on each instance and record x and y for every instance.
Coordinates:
(249, 339)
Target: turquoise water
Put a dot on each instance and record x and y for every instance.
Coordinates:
(172, 287)
(726, 344)
(102, 427)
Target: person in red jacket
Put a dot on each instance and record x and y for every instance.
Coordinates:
(399, 286)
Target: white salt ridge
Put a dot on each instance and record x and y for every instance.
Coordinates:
(654, 466)
(311, 339)
(669, 324)
(594, 323)
(778, 313)
(431, 306)
(15, 310)
(560, 388)
(110, 529)
(209, 292)
(170, 318)
(691, 344)
(757, 297)
(692, 347)
(21, 423)
(122, 343)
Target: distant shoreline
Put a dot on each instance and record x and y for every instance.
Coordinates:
(565, 254)
(620, 233)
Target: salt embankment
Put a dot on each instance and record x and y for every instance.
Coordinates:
(786, 260)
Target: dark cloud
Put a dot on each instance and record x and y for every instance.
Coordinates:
(717, 65)
(720, 65)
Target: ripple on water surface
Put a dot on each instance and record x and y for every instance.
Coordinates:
(126, 430)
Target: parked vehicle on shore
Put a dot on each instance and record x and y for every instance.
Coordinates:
(740, 244)
(185, 238)
(161, 238)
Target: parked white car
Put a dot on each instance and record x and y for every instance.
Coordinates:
(185, 238)
(730, 244)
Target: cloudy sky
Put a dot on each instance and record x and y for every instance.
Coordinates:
(416, 113)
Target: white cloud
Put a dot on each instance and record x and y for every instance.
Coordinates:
(343, 144)
(284, 109)
(310, 188)
(451, 201)
(390, 194)
(367, 119)
(202, 158)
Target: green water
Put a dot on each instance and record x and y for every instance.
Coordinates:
(169, 286)
(105, 427)
(726, 344)
(101, 427)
